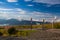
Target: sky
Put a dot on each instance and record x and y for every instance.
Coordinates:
(25, 9)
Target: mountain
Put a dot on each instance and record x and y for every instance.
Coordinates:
(13, 22)
(3, 21)
(17, 22)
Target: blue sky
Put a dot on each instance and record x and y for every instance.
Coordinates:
(25, 9)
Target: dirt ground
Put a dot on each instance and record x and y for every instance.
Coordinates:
(50, 34)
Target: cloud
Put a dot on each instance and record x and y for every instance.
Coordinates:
(19, 14)
(12, 0)
(39, 16)
(14, 10)
(57, 20)
(20, 11)
(30, 5)
(15, 13)
(4, 15)
(42, 14)
(48, 5)
(27, 0)
(5, 9)
(48, 1)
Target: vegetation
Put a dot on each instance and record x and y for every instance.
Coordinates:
(19, 30)
(1, 33)
(12, 31)
(57, 25)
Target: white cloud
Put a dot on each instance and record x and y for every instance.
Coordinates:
(58, 20)
(5, 9)
(20, 11)
(48, 5)
(15, 10)
(4, 15)
(39, 16)
(27, 0)
(12, 0)
(15, 13)
(30, 5)
(36, 20)
(19, 14)
(48, 1)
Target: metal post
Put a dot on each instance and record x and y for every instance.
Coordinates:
(53, 21)
(52, 24)
(43, 24)
(31, 23)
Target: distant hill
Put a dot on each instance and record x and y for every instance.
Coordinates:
(17, 22)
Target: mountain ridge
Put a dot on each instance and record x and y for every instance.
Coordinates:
(17, 22)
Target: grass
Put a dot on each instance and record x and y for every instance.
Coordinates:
(19, 33)
(25, 33)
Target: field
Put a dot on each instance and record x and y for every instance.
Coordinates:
(33, 33)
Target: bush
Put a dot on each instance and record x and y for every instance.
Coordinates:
(57, 26)
(12, 31)
(1, 34)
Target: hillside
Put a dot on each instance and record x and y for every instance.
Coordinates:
(17, 22)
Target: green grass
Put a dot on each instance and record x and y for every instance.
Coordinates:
(25, 33)
(19, 33)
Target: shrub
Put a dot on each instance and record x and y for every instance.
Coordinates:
(12, 31)
(1, 34)
(57, 26)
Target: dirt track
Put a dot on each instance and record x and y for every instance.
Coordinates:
(46, 35)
